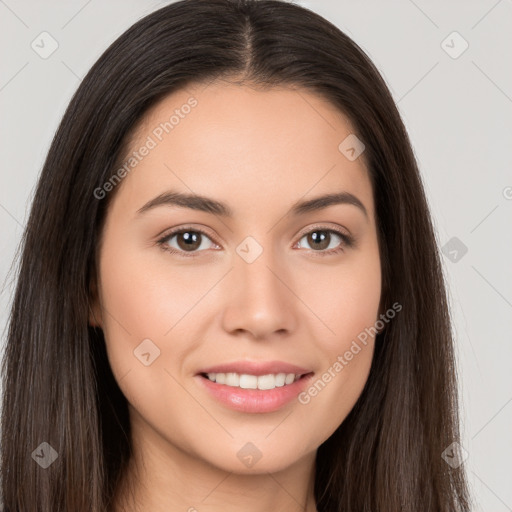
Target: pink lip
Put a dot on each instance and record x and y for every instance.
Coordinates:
(256, 368)
(255, 400)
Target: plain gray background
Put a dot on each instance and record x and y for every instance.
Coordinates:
(456, 105)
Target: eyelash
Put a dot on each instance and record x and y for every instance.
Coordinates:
(347, 241)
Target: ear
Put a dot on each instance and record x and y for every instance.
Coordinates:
(95, 316)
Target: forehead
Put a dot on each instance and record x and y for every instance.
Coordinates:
(244, 146)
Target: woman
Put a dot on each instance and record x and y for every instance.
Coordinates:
(230, 295)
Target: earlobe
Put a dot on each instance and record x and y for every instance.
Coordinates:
(94, 317)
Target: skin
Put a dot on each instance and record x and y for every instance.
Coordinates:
(259, 152)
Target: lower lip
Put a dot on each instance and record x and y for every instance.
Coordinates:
(255, 400)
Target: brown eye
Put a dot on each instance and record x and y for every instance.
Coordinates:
(319, 239)
(323, 240)
(186, 242)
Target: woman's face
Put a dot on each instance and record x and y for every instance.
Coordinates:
(270, 288)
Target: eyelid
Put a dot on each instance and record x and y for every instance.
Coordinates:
(347, 239)
(161, 239)
(322, 226)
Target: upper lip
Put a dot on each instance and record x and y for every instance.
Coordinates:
(256, 368)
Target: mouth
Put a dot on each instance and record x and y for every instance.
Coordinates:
(248, 381)
(254, 387)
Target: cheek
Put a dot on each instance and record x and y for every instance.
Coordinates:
(138, 309)
(145, 339)
(151, 305)
(349, 308)
(142, 295)
(346, 298)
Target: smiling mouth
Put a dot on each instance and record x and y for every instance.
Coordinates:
(248, 381)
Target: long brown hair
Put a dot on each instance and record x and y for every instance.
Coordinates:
(57, 384)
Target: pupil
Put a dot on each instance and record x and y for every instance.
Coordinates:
(189, 237)
(319, 238)
(190, 240)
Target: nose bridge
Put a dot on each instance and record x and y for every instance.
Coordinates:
(256, 268)
(259, 301)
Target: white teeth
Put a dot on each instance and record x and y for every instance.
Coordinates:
(267, 382)
(248, 381)
(245, 381)
(232, 379)
(280, 378)
(289, 378)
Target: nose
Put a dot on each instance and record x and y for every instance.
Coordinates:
(260, 299)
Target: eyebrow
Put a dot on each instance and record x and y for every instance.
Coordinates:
(209, 205)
